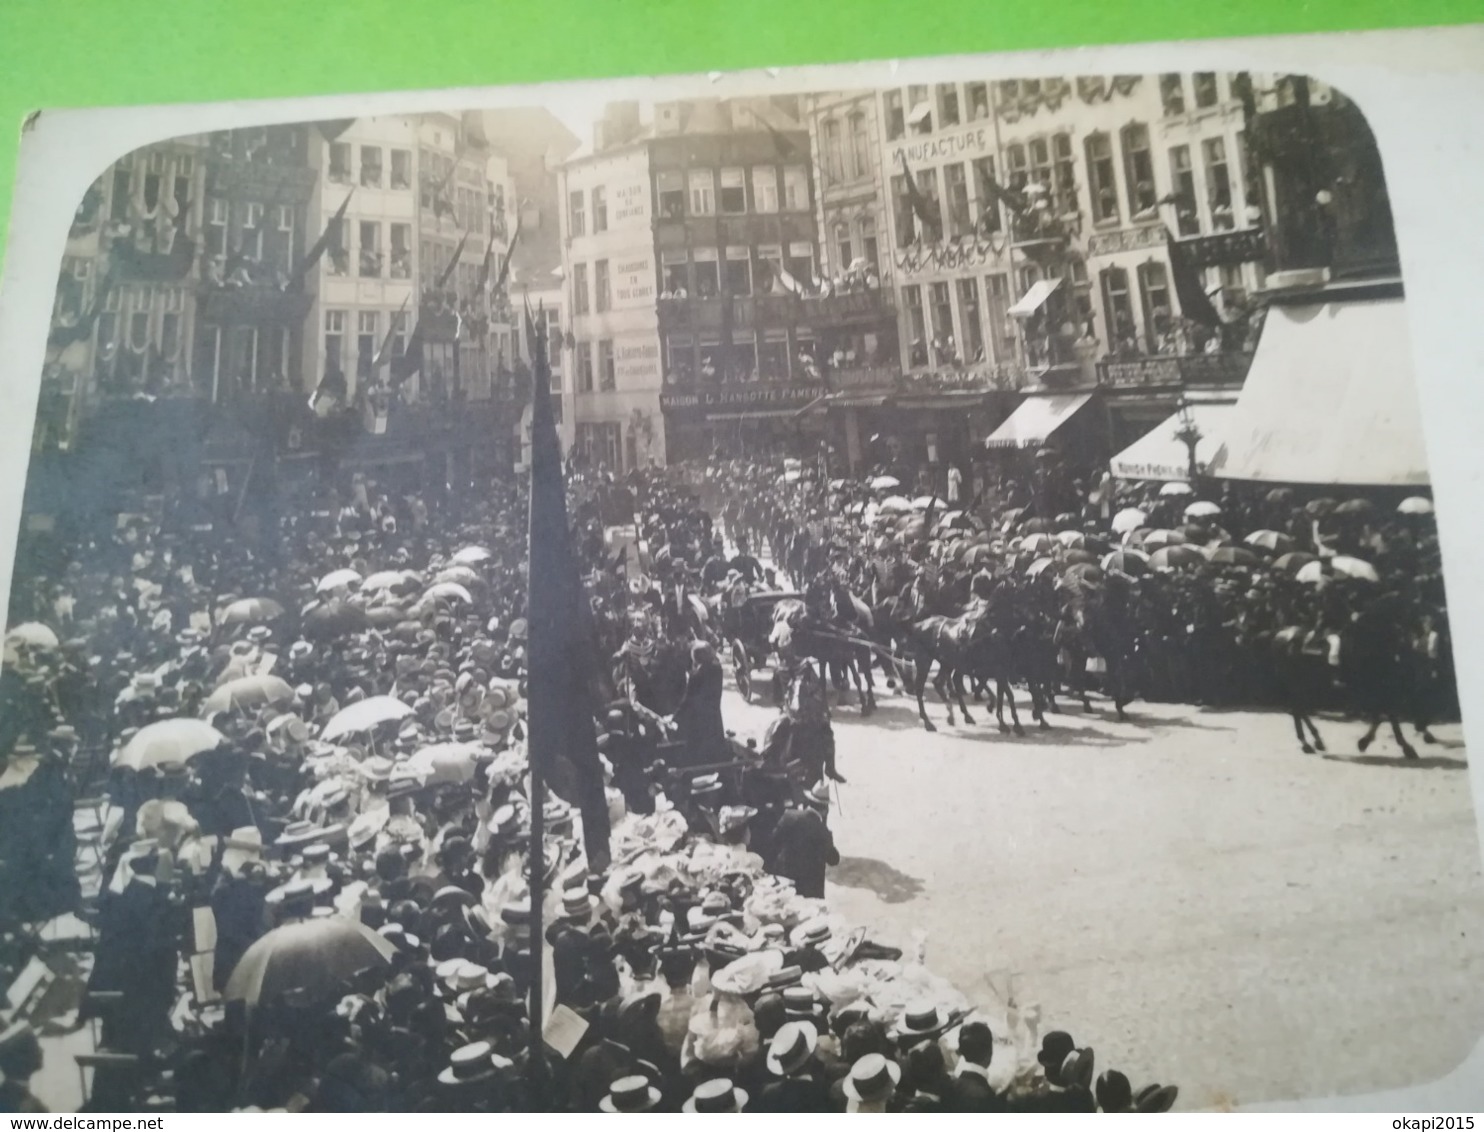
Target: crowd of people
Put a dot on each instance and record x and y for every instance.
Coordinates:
(307, 884)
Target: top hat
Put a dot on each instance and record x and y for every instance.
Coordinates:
(791, 1048)
(718, 1095)
(872, 1079)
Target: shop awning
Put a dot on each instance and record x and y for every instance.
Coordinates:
(1035, 420)
(1161, 455)
(1035, 298)
(752, 414)
(1330, 399)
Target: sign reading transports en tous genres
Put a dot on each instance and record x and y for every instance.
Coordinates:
(920, 259)
(633, 281)
(743, 397)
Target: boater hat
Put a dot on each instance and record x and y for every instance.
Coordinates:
(719, 1095)
(630, 1094)
(791, 1048)
(872, 1079)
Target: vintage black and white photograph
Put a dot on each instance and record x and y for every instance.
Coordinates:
(784, 597)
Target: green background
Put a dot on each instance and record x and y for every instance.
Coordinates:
(56, 53)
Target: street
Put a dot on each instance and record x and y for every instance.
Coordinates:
(1187, 892)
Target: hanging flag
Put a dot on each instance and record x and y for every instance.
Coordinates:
(453, 262)
(788, 282)
(329, 395)
(781, 145)
(504, 276)
(562, 743)
(1195, 304)
(925, 210)
(334, 128)
(411, 360)
(64, 336)
(316, 253)
(1012, 199)
(386, 343)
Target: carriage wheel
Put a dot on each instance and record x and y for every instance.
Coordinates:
(742, 669)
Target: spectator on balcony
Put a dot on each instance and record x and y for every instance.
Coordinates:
(918, 354)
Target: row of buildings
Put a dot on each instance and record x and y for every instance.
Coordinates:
(928, 272)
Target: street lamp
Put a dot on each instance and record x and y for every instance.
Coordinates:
(1189, 435)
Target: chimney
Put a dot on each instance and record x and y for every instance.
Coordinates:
(619, 125)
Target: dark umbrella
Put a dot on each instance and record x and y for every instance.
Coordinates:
(316, 956)
(1355, 507)
(1321, 506)
(1293, 561)
(327, 620)
(1233, 556)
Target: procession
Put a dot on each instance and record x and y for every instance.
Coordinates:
(789, 675)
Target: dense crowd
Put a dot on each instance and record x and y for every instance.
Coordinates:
(308, 883)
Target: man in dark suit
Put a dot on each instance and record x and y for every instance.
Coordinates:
(803, 845)
(972, 1091)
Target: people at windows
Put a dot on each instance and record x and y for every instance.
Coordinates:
(371, 166)
(340, 163)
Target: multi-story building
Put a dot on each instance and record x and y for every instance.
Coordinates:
(689, 241)
(1070, 292)
(534, 144)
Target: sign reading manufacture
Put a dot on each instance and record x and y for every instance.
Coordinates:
(741, 398)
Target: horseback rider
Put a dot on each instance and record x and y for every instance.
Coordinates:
(801, 736)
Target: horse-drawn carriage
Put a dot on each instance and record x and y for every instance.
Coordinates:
(747, 626)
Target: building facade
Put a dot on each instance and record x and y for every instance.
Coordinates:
(1075, 292)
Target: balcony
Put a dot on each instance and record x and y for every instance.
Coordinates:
(1226, 249)
(829, 311)
(253, 304)
(711, 313)
(1137, 239)
(262, 180)
(1171, 370)
(1042, 235)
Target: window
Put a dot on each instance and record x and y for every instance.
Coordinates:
(947, 104)
(968, 306)
(772, 356)
(860, 146)
(945, 348)
(399, 333)
(769, 265)
(366, 341)
(1100, 179)
(957, 187)
(607, 372)
(1138, 169)
(334, 341)
(401, 251)
(739, 271)
(680, 360)
(1182, 178)
(674, 274)
(833, 151)
(1063, 175)
(401, 169)
(576, 213)
(670, 185)
(764, 188)
(988, 219)
(252, 231)
(1205, 89)
(978, 98)
(338, 248)
(600, 209)
(842, 247)
(169, 334)
(1154, 289)
(927, 186)
(919, 110)
(796, 188)
(584, 358)
(1172, 94)
(712, 362)
(869, 251)
(370, 249)
(1118, 310)
(800, 262)
(371, 166)
(702, 185)
(580, 299)
(340, 163)
(997, 316)
(1218, 183)
(118, 205)
(1015, 166)
(708, 276)
(916, 324)
(216, 226)
(602, 289)
(733, 196)
(896, 120)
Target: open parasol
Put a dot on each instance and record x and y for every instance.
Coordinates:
(1415, 505)
(1177, 556)
(335, 618)
(449, 591)
(1269, 540)
(1339, 566)
(1294, 561)
(1129, 519)
(1072, 540)
(1202, 509)
(32, 634)
(1176, 487)
(1156, 539)
(337, 579)
(312, 956)
(463, 575)
(445, 762)
(1128, 561)
(168, 741)
(246, 693)
(885, 483)
(471, 556)
(364, 716)
(391, 580)
(250, 610)
(1233, 556)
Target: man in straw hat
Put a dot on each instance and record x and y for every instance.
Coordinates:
(797, 1085)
